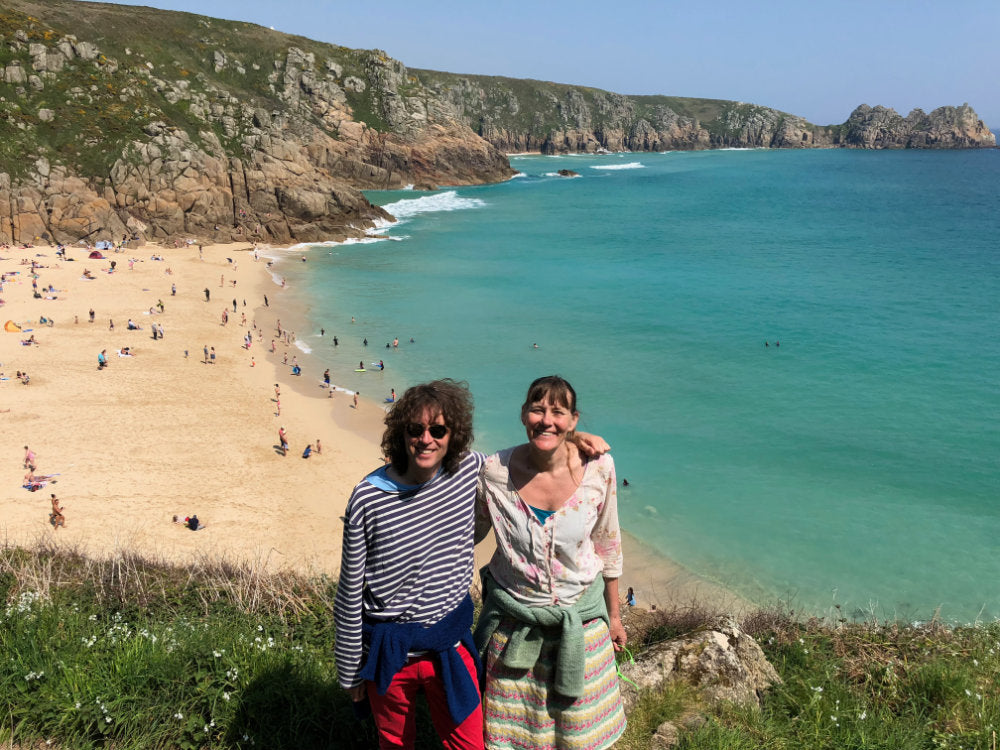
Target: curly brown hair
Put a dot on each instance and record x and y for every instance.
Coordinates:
(451, 399)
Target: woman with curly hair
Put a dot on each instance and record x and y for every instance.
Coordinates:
(402, 610)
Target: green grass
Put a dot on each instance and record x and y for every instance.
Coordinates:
(133, 653)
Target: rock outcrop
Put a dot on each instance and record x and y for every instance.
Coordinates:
(722, 662)
(945, 127)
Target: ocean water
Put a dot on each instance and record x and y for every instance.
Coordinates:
(853, 460)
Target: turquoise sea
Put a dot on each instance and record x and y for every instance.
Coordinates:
(856, 464)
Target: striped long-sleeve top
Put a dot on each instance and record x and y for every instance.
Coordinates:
(407, 555)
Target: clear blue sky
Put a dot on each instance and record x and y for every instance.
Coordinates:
(817, 60)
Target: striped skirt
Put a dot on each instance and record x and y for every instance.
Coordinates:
(521, 710)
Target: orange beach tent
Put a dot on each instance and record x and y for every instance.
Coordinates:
(11, 327)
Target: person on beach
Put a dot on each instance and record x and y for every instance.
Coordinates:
(29, 458)
(308, 451)
(211, 355)
(319, 447)
(283, 440)
(208, 294)
(56, 517)
(356, 394)
(551, 612)
(406, 568)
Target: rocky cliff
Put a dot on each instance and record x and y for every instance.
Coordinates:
(120, 120)
(522, 115)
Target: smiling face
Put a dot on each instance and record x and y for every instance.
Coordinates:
(426, 453)
(548, 422)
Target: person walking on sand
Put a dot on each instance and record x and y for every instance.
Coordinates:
(283, 441)
(208, 294)
(211, 355)
(319, 447)
(205, 350)
(29, 458)
(56, 517)
(356, 394)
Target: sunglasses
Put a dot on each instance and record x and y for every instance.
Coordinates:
(437, 431)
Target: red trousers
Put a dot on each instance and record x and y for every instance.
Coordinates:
(395, 712)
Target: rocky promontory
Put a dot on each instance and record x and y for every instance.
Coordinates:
(124, 121)
(523, 115)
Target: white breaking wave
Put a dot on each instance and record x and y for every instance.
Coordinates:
(519, 174)
(629, 165)
(447, 201)
(556, 174)
(303, 346)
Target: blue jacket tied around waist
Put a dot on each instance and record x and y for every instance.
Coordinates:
(390, 643)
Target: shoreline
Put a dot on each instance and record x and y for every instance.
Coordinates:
(159, 433)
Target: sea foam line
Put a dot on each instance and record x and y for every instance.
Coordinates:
(407, 208)
(629, 165)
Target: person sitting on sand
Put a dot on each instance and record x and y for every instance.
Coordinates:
(308, 451)
(132, 326)
(102, 359)
(194, 524)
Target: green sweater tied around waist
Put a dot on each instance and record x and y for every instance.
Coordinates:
(525, 643)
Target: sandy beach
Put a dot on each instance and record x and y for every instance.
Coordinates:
(167, 431)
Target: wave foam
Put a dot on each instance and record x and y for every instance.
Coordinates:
(303, 346)
(629, 165)
(447, 201)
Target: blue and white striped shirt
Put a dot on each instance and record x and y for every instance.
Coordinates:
(407, 556)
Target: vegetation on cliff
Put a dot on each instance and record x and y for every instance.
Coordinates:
(129, 653)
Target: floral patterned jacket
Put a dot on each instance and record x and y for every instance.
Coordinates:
(551, 563)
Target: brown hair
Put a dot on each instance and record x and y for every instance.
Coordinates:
(451, 399)
(555, 388)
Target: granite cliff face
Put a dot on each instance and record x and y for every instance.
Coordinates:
(227, 131)
(522, 115)
(945, 127)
